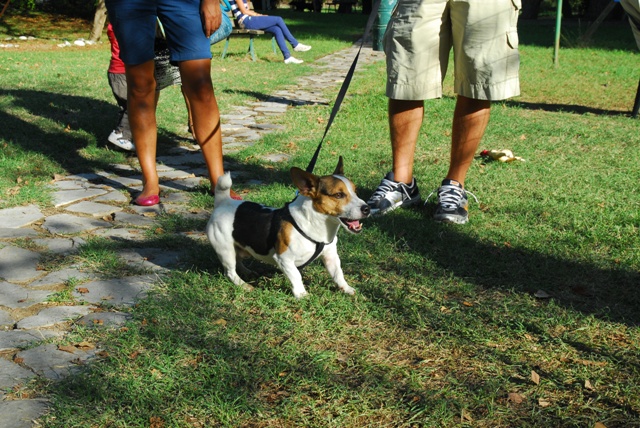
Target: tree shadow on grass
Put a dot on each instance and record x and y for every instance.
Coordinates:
(608, 293)
(59, 125)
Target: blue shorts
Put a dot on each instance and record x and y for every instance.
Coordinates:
(134, 23)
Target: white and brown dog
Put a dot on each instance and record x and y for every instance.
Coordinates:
(289, 237)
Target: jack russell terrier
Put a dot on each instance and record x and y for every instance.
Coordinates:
(289, 237)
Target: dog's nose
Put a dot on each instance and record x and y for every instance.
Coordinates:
(366, 210)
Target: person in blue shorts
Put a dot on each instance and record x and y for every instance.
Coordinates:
(188, 25)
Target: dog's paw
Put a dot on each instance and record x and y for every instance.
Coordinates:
(247, 287)
(300, 294)
(348, 290)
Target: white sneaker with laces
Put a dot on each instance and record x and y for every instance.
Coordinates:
(116, 139)
(302, 48)
(292, 60)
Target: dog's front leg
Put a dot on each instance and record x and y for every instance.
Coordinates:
(331, 261)
(289, 268)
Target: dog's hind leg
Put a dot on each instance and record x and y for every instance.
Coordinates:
(229, 263)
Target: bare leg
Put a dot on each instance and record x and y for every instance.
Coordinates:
(141, 100)
(189, 117)
(470, 120)
(198, 90)
(405, 120)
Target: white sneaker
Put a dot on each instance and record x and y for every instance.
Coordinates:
(292, 60)
(302, 48)
(116, 139)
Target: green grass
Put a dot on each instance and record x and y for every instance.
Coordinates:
(445, 325)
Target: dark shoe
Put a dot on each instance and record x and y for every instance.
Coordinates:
(391, 194)
(453, 205)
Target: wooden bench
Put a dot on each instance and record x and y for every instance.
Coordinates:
(251, 34)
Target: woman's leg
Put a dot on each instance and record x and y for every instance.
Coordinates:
(198, 90)
(276, 26)
(141, 102)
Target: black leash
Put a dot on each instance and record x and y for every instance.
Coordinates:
(345, 85)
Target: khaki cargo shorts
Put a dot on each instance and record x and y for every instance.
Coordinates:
(484, 37)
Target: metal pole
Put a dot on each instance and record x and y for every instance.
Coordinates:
(557, 42)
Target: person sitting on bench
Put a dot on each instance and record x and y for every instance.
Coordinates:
(251, 20)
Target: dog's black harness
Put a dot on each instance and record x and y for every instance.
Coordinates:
(286, 215)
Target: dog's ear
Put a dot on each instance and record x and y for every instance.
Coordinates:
(306, 182)
(339, 170)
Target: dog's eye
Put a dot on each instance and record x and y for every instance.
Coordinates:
(338, 195)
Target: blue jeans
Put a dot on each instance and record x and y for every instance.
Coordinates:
(274, 25)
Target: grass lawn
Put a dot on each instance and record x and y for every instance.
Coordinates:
(526, 317)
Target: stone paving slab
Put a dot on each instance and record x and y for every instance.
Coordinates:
(65, 197)
(21, 413)
(60, 277)
(104, 319)
(94, 209)
(19, 339)
(12, 374)
(6, 320)
(14, 296)
(18, 264)
(61, 245)
(49, 361)
(116, 292)
(154, 259)
(7, 233)
(20, 216)
(67, 224)
(53, 316)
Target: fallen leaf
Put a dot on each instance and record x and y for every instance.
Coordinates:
(18, 360)
(67, 348)
(85, 346)
(220, 321)
(543, 403)
(466, 416)
(515, 398)
(599, 425)
(467, 304)
(588, 386)
(156, 422)
(102, 354)
(535, 377)
(82, 290)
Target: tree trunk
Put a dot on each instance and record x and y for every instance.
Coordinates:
(98, 21)
(530, 9)
(595, 8)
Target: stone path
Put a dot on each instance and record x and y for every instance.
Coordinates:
(31, 324)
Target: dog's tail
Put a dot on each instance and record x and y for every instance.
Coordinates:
(223, 187)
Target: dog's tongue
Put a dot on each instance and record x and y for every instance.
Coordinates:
(354, 225)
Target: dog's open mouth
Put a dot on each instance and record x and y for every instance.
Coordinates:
(353, 226)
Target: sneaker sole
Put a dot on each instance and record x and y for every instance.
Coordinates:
(451, 219)
(129, 148)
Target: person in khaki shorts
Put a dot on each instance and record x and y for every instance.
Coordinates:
(632, 8)
(417, 43)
